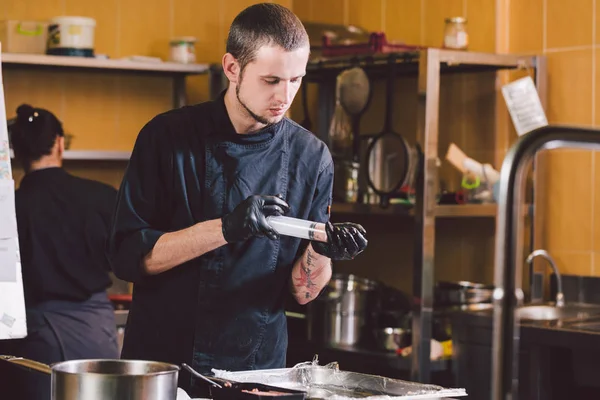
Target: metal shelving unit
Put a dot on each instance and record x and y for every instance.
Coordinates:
(428, 65)
(431, 63)
(177, 71)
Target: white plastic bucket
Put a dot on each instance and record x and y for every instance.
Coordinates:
(71, 36)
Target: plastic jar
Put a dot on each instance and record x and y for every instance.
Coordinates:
(71, 36)
(183, 50)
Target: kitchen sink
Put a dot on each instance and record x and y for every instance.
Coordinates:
(549, 312)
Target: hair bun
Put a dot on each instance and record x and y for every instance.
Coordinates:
(25, 111)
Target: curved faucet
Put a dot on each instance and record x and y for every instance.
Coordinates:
(508, 261)
(560, 297)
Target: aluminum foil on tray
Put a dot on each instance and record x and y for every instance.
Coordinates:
(331, 383)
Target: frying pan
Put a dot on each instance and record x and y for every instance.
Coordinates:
(388, 154)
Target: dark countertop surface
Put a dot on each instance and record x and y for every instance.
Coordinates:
(573, 332)
(558, 359)
(566, 335)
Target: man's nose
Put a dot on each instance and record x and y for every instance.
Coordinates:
(285, 92)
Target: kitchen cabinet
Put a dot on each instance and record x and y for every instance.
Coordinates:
(428, 66)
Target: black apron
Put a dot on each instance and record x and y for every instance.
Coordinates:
(59, 331)
(233, 334)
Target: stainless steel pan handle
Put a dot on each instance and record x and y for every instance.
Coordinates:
(24, 362)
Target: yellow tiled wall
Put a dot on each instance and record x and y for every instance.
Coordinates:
(567, 33)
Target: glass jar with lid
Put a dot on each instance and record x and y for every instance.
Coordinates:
(456, 36)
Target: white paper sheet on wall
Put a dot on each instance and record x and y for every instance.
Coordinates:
(524, 105)
(8, 220)
(13, 324)
(8, 260)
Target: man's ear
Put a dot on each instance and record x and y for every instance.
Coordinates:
(231, 68)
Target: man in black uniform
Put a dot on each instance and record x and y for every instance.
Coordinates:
(210, 275)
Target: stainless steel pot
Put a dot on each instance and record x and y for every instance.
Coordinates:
(462, 293)
(107, 379)
(339, 315)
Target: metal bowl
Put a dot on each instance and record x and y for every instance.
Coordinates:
(392, 339)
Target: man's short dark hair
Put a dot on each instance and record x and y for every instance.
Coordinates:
(264, 24)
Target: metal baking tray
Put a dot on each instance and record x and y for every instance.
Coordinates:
(329, 382)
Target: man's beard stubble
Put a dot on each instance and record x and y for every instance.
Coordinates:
(255, 116)
(251, 113)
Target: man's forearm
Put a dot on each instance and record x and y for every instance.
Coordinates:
(310, 274)
(175, 248)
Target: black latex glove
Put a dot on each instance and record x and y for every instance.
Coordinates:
(249, 218)
(346, 241)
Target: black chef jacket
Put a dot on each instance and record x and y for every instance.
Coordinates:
(63, 223)
(224, 309)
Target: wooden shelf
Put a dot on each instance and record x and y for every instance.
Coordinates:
(98, 155)
(41, 60)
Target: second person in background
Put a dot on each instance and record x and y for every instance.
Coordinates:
(63, 223)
